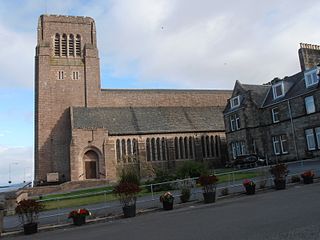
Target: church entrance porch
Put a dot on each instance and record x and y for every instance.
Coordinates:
(91, 160)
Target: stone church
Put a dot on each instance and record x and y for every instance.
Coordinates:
(85, 132)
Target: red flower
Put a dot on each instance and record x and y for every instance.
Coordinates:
(307, 174)
(79, 213)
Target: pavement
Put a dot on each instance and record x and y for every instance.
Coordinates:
(292, 214)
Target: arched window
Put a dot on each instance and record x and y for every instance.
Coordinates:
(123, 150)
(212, 147)
(186, 147)
(181, 148)
(218, 146)
(176, 147)
(57, 45)
(118, 151)
(191, 147)
(78, 46)
(153, 149)
(203, 145)
(129, 152)
(148, 149)
(71, 45)
(64, 45)
(135, 151)
(163, 147)
(208, 146)
(158, 150)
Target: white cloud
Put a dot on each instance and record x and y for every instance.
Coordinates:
(206, 44)
(19, 160)
(190, 44)
(16, 58)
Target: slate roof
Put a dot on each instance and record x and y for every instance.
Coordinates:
(148, 120)
(258, 92)
(293, 86)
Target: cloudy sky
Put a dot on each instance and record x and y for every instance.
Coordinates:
(205, 44)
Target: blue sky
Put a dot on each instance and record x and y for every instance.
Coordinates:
(206, 44)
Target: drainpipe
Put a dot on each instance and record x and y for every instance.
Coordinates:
(293, 131)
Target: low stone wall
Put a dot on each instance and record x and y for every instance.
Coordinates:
(65, 187)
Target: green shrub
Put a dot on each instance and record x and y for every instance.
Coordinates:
(129, 176)
(161, 176)
(191, 169)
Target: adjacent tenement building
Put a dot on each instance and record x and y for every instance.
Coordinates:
(279, 121)
(85, 132)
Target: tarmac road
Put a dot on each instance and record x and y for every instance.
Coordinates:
(292, 214)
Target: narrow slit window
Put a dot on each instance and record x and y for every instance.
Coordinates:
(75, 75)
(57, 45)
(64, 45)
(71, 45)
(78, 46)
(60, 75)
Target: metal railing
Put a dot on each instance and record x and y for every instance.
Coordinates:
(103, 206)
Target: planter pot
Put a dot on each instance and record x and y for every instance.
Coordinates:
(78, 221)
(167, 205)
(30, 228)
(250, 190)
(307, 180)
(280, 184)
(129, 211)
(209, 197)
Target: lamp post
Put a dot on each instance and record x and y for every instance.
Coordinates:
(15, 163)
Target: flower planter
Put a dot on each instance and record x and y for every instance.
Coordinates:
(78, 221)
(209, 197)
(250, 190)
(30, 228)
(129, 211)
(280, 184)
(167, 205)
(307, 180)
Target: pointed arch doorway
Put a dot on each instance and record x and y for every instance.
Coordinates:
(91, 160)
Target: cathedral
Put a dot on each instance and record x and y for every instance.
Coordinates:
(84, 132)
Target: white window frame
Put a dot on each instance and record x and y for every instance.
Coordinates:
(232, 123)
(275, 115)
(311, 77)
(75, 75)
(234, 150)
(317, 131)
(233, 100)
(243, 148)
(60, 75)
(276, 141)
(237, 119)
(309, 104)
(310, 137)
(283, 139)
(274, 87)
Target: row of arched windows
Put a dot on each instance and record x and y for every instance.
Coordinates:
(127, 150)
(184, 147)
(210, 146)
(156, 149)
(67, 45)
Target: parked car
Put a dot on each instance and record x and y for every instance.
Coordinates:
(247, 161)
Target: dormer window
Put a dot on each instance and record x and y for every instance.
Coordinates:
(235, 102)
(311, 77)
(278, 90)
